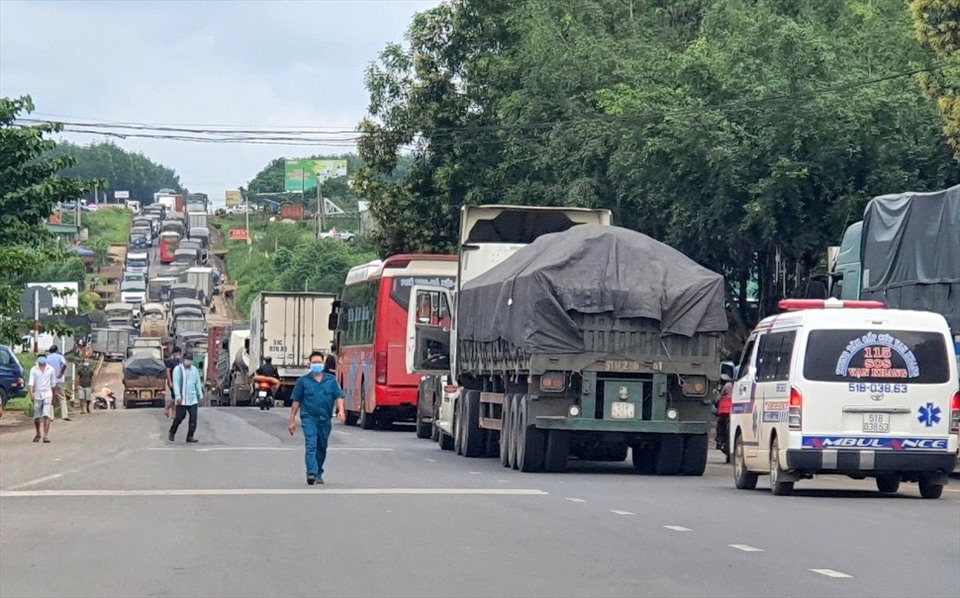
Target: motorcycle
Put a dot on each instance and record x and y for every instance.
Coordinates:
(101, 402)
(264, 396)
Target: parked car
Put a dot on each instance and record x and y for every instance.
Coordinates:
(12, 377)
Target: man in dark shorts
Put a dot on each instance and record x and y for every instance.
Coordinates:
(171, 363)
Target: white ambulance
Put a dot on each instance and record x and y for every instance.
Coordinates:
(850, 388)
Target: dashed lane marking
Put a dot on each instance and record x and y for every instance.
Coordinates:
(678, 528)
(576, 500)
(474, 473)
(832, 573)
(431, 460)
(277, 492)
(616, 512)
(746, 547)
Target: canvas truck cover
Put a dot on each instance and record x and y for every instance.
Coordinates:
(910, 252)
(143, 363)
(526, 300)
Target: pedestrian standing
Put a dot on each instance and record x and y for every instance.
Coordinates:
(58, 362)
(42, 381)
(187, 392)
(171, 363)
(316, 397)
(85, 375)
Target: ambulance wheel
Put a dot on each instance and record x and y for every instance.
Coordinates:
(888, 483)
(742, 478)
(929, 489)
(778, 486)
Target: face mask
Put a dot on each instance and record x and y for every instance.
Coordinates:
(86, 364)
(187, 363)
(316, 368)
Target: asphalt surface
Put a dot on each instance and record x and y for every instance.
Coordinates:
(111, 508)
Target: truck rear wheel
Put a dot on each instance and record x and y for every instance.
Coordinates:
(424, 429)
(669, 455)
(351, 418)
(644, 460)
(531, 444)
(694, 455)
(514, 430)
(505, 432)
(474, 441)
(557, 451)
(445, 440)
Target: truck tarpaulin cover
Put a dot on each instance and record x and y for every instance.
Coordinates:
(143, 364)
(911, 252)
(526, 300)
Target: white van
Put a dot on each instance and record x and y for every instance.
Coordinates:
(846, 387)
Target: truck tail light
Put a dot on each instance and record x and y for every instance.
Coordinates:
(955, 413)
(795, 415)
(552, 382)
(381, 367)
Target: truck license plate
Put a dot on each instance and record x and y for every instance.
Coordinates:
(622, 410)
(262, 393)
(877, 423)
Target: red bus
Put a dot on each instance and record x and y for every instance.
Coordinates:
(371, 340)
(169, 241)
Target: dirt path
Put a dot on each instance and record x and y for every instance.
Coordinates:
(223, 310)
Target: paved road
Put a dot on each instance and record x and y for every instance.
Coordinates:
(110, 508)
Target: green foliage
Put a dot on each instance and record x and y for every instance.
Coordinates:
(108, 225)
(286, 257)
(119, 170)
(735, 130)
(30, 180)
(937, 24)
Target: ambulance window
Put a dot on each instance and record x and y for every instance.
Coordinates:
(774, 356)
(745, 358)
(863, 355)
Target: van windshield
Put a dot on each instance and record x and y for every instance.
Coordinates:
(876, 356)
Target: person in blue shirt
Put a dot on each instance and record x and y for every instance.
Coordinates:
(187, 392)
(317, 397)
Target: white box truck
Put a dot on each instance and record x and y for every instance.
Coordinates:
(287, 327)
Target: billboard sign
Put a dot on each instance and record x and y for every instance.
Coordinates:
(118, 195)
(233, 197)
(302, 175)
(238, 234)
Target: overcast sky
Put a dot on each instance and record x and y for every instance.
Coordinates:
(248, 63)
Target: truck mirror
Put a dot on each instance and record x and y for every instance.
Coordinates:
(727, 371)
(333, 320)
(246, 345)
(816, 289)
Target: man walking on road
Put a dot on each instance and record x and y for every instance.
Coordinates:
(42, 381)
(85, 383)
(172, 363)
(187, 391)
(58, 362)
(316, 397)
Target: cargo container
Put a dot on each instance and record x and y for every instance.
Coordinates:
(291, 212)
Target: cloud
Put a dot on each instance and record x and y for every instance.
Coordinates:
(256, 64)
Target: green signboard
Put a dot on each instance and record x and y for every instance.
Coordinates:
(302, 175)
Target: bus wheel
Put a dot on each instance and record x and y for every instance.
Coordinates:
(351, 418)
(367, 421)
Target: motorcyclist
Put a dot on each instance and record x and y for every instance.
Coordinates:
(723, 408)
(268, 369)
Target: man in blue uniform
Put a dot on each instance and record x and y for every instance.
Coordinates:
(316, 397)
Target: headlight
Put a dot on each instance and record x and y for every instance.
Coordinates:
(672, 413)
(574, 411)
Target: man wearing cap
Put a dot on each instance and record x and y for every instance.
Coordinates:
(42, 381)
(187, 391)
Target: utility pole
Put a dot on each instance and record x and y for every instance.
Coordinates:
(319, 210)
(246, 212)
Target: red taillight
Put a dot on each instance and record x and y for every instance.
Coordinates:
(795, 415)
(381, 367)
(265, 385)
(955, 412)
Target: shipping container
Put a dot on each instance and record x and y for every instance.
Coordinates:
(291, 212)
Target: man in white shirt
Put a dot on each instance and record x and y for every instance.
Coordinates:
(42, 382)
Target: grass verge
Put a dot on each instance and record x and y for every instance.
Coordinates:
(110, 224)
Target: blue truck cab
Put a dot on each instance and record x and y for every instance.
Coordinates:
(12, 380)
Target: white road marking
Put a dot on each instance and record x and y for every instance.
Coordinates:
(263, 448)
(615, 512)
(746, 547)
(475, 473)
(277, 492)
(678, 528)
(431, 460)
(340, 433)
(831, 573)
(576, 500)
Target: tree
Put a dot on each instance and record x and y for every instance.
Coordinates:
(937, 23)
(30, 181)
(746, 133)
(119, 169)
(30, 187)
